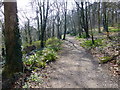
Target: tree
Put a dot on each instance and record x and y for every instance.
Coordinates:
(79, 18)
(84, 18)
(13, 61)
(98, 12)
(43, 17)
(105, 18)
(65, 26)
(29, 31)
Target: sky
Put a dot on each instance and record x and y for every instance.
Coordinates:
(24, 5)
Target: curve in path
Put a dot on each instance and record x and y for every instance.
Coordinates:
(77, 68)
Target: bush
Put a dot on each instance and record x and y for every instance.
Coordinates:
(53, 43)
(114, 30)
(73, 34)
(27, 48)
(47, 55)
(37, 44)
(33, 61)
(40, 58)
(83, 35)
(89, 44)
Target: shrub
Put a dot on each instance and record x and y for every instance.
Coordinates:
(37, 44)
(27, 48)
(53, 43)
(114, 30)
(89, 44)
(40, 58)
(47, 55)
(33, 61)
(73, 34)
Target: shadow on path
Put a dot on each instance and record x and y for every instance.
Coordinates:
(77, 68)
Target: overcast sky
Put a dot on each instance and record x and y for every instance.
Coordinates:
(24, 6)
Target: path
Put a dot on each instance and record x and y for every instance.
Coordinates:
(76, 68)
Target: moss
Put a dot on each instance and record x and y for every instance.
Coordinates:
(105, 59)
(10, 70)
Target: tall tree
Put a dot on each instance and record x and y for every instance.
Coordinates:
(29, 31)
(98, 12)
(84, 17)
(13, 62)
(65, 25)
(38, 25)
(105, 18)
(79, 18)
(44, 17)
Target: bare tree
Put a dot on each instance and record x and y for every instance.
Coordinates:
(65, 25)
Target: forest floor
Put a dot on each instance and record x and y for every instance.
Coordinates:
(75, 68)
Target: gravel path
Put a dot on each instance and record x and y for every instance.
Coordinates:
(77, 68)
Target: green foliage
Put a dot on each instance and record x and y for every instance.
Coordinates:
(49, 55)
(89, 44)
(33, 61)
(35, 77)
(40, 58)
(82, 36)
(26, 85)
(37, 44)
(53, 43)
(104, 59)
(114, 30)
(72, 34)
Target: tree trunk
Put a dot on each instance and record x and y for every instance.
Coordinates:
(99, 30)
(26, 34)
(53, 28)
(38, 25)
(65, 27)
(86, 21)
(105, 19)
(13, 61)
(44, 22)
(29, 32)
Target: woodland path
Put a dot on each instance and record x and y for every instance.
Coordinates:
(76, 68)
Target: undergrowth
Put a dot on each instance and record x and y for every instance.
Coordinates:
(40, 58)
(88, 43)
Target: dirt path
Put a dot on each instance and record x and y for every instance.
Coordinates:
(76, 68)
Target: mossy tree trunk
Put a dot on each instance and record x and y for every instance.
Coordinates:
(13, 61)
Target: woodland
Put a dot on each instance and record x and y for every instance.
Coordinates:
(59, 44)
